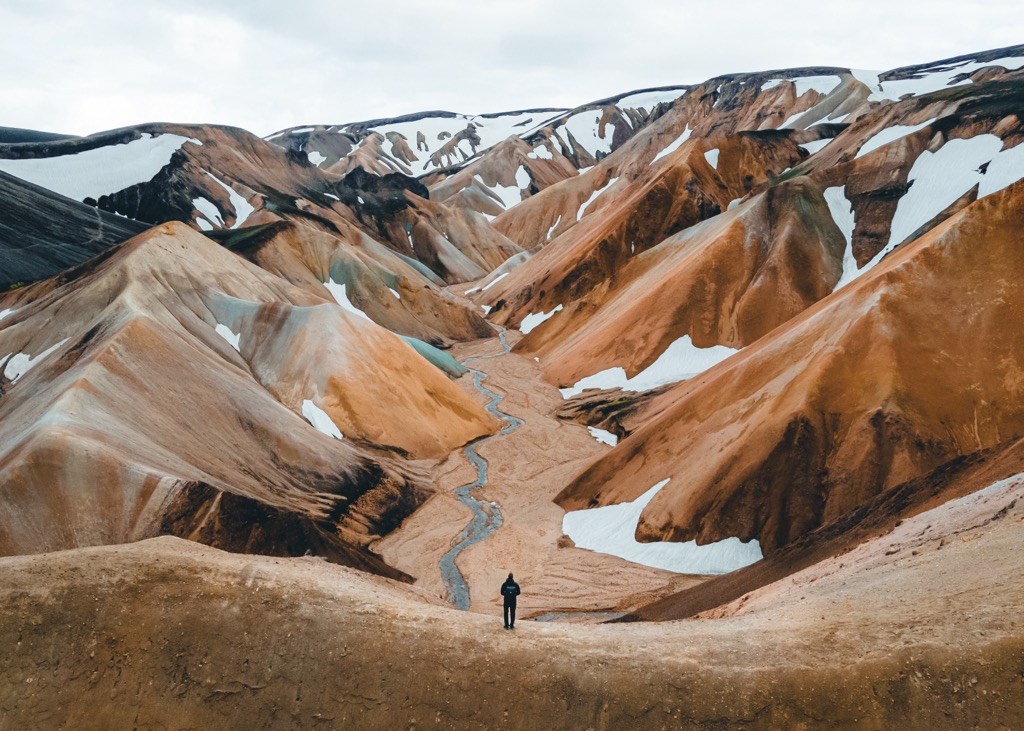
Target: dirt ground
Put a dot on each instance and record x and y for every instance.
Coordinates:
(173, 635)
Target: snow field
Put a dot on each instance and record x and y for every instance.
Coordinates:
(509, 195)
(824, 85)
(813, 147)
(890, 134)
(238, 202)
(541, 152)
(102, 171)
(680, 361)
(210, 214)
(611, 529)
(938, 179)
(532, 320)
(648, 100)
(584, 129)
(928, 81)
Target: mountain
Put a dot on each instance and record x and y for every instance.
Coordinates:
(42, 233)
(169, 386)
(732, 365)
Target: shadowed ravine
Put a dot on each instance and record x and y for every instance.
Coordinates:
(486, 515)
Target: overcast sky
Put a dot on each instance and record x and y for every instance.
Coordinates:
(81, 67)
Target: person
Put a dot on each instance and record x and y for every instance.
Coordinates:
(510, 590)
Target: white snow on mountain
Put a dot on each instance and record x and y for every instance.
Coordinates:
(341, 297)
(890, 134)
(593, 197)
(675, 145)
(532, 320)
(611, 529)
(681, 360)
(320, 420)
(233, 338)
(100, 171)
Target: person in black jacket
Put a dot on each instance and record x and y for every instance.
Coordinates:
(509, 591)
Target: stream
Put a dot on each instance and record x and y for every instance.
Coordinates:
(486, 515)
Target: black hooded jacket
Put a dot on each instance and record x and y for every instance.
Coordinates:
(510, 590)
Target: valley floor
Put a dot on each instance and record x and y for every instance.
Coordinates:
(527, 469)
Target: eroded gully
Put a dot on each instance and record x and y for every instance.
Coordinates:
(486, 515)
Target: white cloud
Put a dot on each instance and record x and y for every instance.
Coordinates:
(79, 68)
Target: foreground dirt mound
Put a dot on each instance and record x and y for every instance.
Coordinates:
(216, 640)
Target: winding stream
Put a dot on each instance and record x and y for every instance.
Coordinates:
(486, 515)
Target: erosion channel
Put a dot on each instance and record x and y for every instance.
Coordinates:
(486, 515)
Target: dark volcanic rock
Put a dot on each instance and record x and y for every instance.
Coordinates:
(43, 233)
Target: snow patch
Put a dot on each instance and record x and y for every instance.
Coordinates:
(675, 145)
(20, 364)
(320, 420)
(813, 147)
(316, 157)
(395, 292)
(101, 171)
(233, 340)
(824, 85)
(942, 77)
(584, 128)
(649, 99)
(540, 152)
(532, 320)
(238, 202)
(593, 197)
(603, 436)
(939, 178)
(553, 227)
(712, 157)
(494, 281)
(680, 361)
(210, 212)
(843, 216)
(612, 529)
(5, 313)
(890, 134)
(509, 195)
(341, 297)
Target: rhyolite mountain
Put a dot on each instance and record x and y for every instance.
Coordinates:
(792, 298)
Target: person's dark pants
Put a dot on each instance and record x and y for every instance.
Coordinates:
(510, 614)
